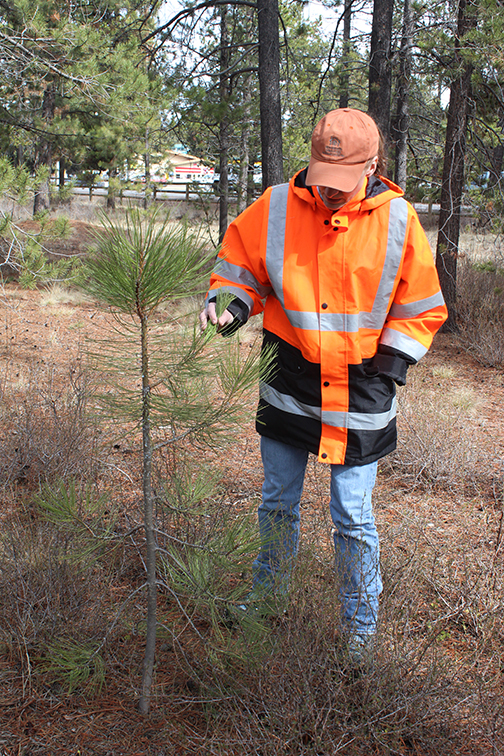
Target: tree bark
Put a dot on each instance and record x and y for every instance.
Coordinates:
(453, 166)
(147, 194)
(111, 191)
(62, 170)
(224, 124)
(344, 79)
(150, 539)
(269, 93)
(244, 147)
(380, 78)
(44, 153)
(401, 124)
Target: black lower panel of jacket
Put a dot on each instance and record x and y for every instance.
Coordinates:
(291, 373)
(370, 394)
(364, 447)
(294, 430)
(295, 376)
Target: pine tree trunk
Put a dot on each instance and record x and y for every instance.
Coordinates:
(147, 194)
(453, 167)
(244, 147)
(62, 170)
(44, 153)
(224, 125)
(344, 79)
(269, 93)
(111, 197)
(380, 76)
(401, 125)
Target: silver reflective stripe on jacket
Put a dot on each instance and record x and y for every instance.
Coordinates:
(416, 308)
(403, 343)
(351, 420)
(343, 322)
(398, 219)
(239, 275)
(275, 241)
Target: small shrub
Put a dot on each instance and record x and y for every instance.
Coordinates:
(205, 567)
(23, 253)
(62, 195)
(48, 431)
(286, 689)
(45, 593)
(480, 310)
(88, 519)
(438, 444)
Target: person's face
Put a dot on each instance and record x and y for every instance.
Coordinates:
(335, 198)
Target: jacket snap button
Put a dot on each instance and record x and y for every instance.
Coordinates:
(326, 222)
(326, 383)
(324, 456)
(325, 306)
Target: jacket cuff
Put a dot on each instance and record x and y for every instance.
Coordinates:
(392, 366)
(388, 361)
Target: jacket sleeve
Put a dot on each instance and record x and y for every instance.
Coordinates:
(417, 310)
(240, 268)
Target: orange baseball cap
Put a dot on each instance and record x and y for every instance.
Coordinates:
(342, 143)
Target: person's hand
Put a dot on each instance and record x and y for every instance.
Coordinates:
(210, 314)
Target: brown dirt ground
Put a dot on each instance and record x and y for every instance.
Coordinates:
(45, 332)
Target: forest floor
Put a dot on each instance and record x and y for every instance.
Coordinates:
(452, 535)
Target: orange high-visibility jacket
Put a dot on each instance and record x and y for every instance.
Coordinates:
(350, 298)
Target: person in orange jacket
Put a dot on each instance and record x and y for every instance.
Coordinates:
(340, 265)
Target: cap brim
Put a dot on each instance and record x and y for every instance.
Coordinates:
(334, 175)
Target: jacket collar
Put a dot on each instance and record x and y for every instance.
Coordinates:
(379, 190)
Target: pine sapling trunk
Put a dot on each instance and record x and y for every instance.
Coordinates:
(150, 540)
(139, 264)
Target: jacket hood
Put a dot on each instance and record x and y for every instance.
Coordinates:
(379, 191)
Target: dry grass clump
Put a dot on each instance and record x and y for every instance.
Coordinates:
(47, 432)
(443, 611)
(480, 311)
(56, 294)
(480, 295)
(48, 596)
(283, 687)
(441, 439)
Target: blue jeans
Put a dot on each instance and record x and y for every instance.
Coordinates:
(355, 536)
